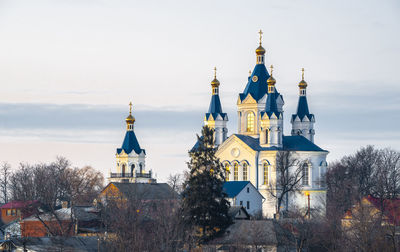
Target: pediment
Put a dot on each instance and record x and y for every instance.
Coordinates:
(249, 100)
(233, 142)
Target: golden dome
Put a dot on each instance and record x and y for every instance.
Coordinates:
(130, 119)
(260, 50)
(215, 82)
(302, 83)
(271, 80)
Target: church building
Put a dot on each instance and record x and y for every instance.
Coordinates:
(251, 153)
(130, 158)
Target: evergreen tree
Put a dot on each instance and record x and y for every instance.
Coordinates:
(205, 206)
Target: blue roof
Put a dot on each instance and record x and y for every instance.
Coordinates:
(233, 188)
(257, 89)
(215, 105)
(290, 143)
(302, 109)
(130, 143)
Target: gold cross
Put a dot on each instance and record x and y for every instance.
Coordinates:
(261, 33)
(215, 72)
(272, 69)
(302, 73)
(130, 108)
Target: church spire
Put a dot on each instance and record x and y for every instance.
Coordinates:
(215, 118)
(271, 105)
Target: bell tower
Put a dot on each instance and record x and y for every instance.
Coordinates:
(130, 158)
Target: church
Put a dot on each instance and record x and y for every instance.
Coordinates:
(251, 153)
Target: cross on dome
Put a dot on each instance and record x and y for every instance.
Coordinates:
(261, 33)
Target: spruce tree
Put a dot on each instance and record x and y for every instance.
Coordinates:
(205, 206)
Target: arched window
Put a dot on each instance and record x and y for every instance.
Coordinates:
(245, 171)
(132, 169)
(265, 171)
(250, 122)
(305, 174)
(123, 170)
(235, 171)
(227, 172)
(140, 168)
(266, 136)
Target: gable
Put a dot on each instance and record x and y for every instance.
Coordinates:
(110, 191)
(234, 142)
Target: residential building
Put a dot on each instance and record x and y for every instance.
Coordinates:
(15, 210)
(78, 220)
(243, 193)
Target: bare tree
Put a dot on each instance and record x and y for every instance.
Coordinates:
(5, 172)
(142, 225)
(288, 178)
(175, 181)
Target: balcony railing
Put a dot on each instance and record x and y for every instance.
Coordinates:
(131, 175)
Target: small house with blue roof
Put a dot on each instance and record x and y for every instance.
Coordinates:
(130, 165)
(243, 193)
(250, 155)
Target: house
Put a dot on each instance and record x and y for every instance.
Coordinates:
(78, 220)
(372, 208)
(15, 209)
(243, 193)
(252, 235)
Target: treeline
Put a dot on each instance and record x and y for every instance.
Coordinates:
(370, 172)
(50, 183)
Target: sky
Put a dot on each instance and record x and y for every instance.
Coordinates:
(69, 68)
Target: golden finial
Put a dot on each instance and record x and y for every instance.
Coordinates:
(130, 119)
(261, 33)
(272, 69)
(215, 72)
(302, 73)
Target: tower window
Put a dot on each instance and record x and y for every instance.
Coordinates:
(235, 171)
(266, 136)
(123, 170)
(227, 172)
(265, 167)
(132, 169)
(305, 174)
(250, 122)
(244, 171)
